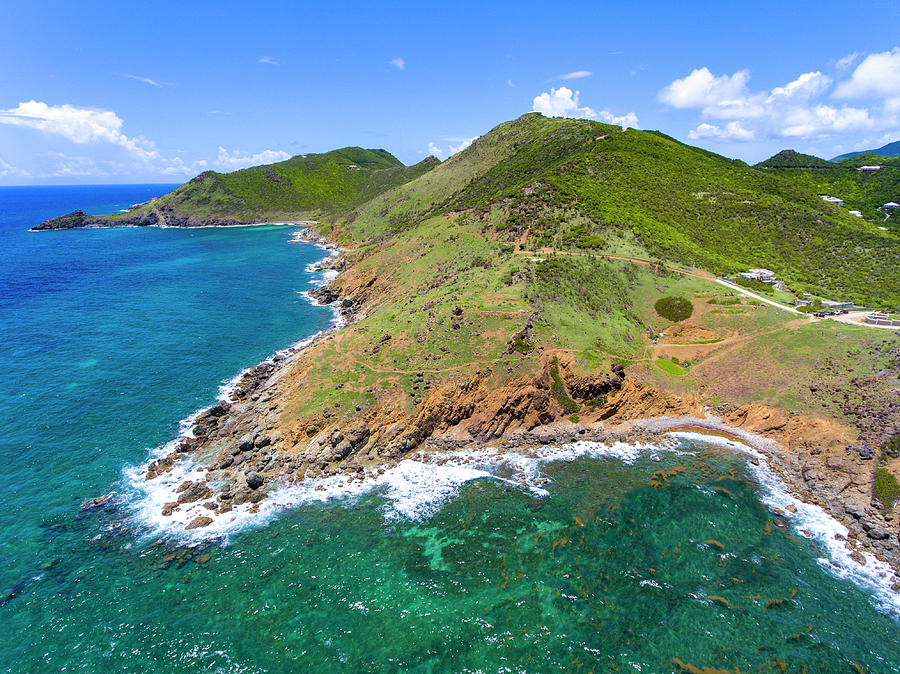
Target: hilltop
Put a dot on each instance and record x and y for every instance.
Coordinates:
(888, 150)
(302, 187)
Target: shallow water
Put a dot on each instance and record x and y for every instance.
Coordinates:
(626, 558)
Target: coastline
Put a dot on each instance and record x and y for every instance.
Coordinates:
(209, 481)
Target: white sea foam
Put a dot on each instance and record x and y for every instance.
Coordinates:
(149, 496)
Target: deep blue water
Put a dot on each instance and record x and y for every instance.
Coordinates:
(109, 337)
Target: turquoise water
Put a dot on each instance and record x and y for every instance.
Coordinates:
(109, 337)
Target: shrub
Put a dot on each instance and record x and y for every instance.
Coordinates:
(674, 308)
(558, 389)
(886, 488)
(755, 286)
(522, 345)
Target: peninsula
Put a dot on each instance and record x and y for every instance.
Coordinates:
(560, 279)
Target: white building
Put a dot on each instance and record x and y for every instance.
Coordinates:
(832, 200)
(869, 168)
(856, 213)
(764, 275)
(892, 204)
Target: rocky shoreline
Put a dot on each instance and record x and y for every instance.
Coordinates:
(241, 451)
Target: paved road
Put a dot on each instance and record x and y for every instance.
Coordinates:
(734, 286)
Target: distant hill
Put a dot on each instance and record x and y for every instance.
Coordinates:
(889, 150)
(302, 187)
(792, 159)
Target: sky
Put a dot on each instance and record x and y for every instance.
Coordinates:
(113, 92)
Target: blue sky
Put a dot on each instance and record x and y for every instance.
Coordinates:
(105, 92)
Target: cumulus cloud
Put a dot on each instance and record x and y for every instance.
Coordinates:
(111, 152)
(576, 75)
(791, 110)
(398, 63)
(877, 76)
(629, 119)
(145, 80)
(79, 125)
(434, 150)
(804, 87)
(234, 160)
(564, 102)
(268, 60)
(731, 131)
(702, 89)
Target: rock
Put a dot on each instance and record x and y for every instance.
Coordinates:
(198, 522)
(877, 533)
(194, 492)
(262, 441)
(168, 508)
(245, 444)
(241, 496)
(254, 480)
(226, 462)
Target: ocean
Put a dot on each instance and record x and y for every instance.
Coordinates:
(625, 558)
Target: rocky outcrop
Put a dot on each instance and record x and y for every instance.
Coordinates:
(155, 217)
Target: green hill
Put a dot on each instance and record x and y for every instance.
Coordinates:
(792, 159)
(302, 187)
(889, 150)
(581, 185)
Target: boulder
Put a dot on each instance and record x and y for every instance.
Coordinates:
(194, 492)
(197, 522)
(245, 443)
(254, 480)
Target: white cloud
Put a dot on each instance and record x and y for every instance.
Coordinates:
(268, 60)
(563, 102)
(731, 131)
(845, 63)
(461, 144)
(825, 120)
(79, 125)
(791, 110)
(398, 63)
(877, 76)
(576, 75)
(145, 80)
(702, 89)
(234, 160)
(804, 87)
(434, 150)
(510, 84)
(629, 119)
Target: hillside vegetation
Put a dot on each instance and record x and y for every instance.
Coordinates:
(580, 185)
